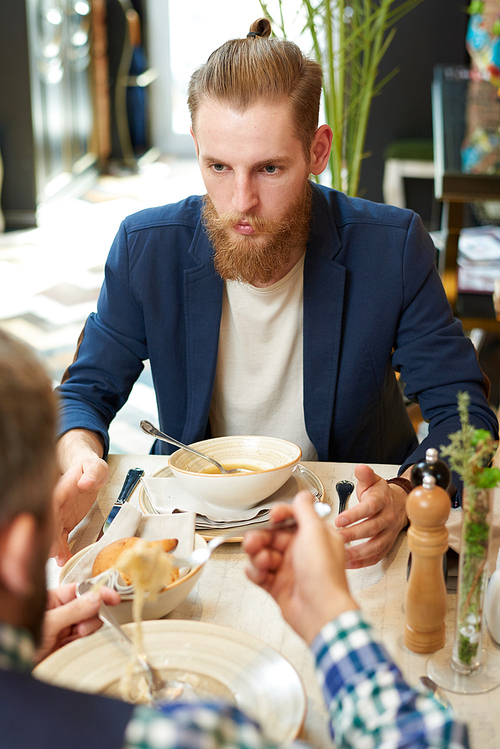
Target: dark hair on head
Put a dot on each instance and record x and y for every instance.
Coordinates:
(244, 71)
(27, 432)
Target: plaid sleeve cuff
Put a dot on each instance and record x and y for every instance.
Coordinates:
(369, 702)
(345, 651)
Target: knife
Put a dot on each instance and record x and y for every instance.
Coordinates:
(131, 480)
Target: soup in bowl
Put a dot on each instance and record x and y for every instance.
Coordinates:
(264, 464)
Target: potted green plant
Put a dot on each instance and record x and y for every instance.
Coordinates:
(349, 39)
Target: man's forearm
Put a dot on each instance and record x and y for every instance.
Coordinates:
(83, 473)
(78, 445)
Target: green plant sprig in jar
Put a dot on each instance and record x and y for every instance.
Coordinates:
(469, 454)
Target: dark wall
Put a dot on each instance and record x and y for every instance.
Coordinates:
(433, 32)
(16, 135)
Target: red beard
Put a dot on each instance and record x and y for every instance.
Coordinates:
(242, 258)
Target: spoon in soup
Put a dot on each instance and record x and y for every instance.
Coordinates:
(147, 427)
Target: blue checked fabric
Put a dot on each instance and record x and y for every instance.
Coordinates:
(369, 702)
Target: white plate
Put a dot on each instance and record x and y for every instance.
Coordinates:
(292, 485)
(224, 662)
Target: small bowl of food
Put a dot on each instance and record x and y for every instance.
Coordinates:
(180, 583)
(264, 464)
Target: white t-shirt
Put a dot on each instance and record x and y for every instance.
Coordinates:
(258, 385)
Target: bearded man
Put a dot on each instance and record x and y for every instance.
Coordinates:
(272, 306)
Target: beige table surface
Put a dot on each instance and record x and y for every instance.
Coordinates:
(224, 596)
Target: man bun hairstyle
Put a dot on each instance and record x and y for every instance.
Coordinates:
(259, 67)
(261, 27)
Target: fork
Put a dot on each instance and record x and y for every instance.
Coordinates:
(157, 685)
(195, 559)
(200, 556)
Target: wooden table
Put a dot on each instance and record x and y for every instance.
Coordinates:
(224, 596)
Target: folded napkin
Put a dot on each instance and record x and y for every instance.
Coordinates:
(167, 496)
(131, 522)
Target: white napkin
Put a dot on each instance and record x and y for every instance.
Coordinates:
(167, 495)
(131, 522)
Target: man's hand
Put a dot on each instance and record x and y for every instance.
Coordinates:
(67, 618)
(379, 516)
(83, 474)
(304, 570)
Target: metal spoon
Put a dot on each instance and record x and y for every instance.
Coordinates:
(200, 556)
(157, 685)
(195, 559)
(147, 427)
(304, 479)
(344, 490)
(430, 684)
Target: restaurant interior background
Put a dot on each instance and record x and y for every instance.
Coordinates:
(94, 126)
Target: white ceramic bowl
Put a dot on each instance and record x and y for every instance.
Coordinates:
(165, 602)
(274, 460)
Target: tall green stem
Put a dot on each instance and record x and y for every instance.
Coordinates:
(350, 49)
(371, 67)
(336, 104)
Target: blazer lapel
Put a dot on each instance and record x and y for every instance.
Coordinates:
(324, 284)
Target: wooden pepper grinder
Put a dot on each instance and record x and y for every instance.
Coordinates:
(428, 507)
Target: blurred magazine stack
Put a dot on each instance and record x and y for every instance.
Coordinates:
(479, 259)
(478, 270)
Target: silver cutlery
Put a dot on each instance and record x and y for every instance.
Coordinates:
(431, 684)
(200, 556)
(306, 482)
(112, 578)
(147, 427)
(158, 687)
(344, 491)
(132, 478)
